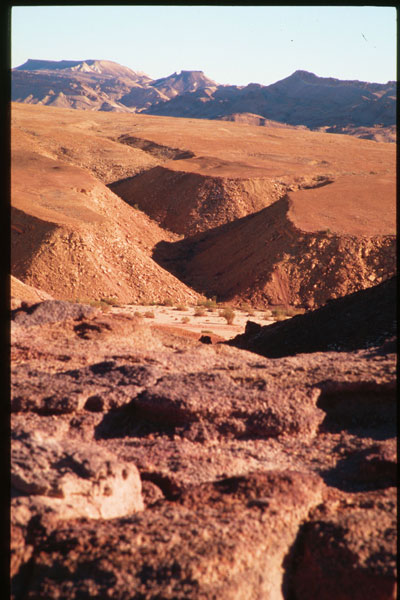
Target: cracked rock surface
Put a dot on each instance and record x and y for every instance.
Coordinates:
(147, 465)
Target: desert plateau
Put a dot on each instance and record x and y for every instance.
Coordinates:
(203, 337)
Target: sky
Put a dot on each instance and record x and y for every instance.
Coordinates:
(232, 44)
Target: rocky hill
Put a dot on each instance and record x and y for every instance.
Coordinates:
(265, 259)
(302, 99)
(185, 82)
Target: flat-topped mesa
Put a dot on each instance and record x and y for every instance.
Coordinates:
(104, 67)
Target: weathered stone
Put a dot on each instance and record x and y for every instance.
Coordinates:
(99, 387)
(71, 480)
(50, 311)
(213, 542)
(349, 555)
(232, 449)
(228, 408)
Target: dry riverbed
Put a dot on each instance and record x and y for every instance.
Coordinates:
(188, 319)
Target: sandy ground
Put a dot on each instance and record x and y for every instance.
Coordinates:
(209, 324)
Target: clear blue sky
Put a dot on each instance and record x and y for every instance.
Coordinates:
(231, 44)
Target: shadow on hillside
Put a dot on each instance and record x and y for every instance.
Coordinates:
(229, 259)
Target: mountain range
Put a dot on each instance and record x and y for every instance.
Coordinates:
(302, 99)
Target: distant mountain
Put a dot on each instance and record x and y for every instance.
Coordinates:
(98, 67)
(302, 99)
(85, 85)
(184, 83)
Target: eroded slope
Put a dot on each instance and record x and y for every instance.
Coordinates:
(73, 238)
(266, 259)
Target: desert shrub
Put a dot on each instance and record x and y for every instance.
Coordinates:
(280, 317)
(292, 311)
(96, 303)
(228, 314)
(112, 301)
(147, 302)
(149, 314)
(167, 302)
(181, 307)
(199, 311)
(245, 307)
(206, 331)
(104, 306)
(208, 302)
(279, 313)
(137, 313)
(185, 320)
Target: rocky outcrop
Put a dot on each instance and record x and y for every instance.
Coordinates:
(150, 465)
(55, 477)
(21, 292)
(363, 319)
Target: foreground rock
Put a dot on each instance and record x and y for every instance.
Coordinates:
(151, 465)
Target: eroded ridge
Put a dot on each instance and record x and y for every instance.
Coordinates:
(266, 259)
